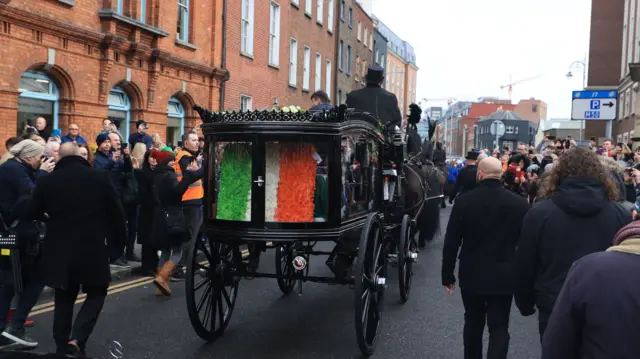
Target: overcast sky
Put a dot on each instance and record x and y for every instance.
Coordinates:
(468, 48)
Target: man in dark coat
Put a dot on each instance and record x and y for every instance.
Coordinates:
(377, 101)
(467, 176)
(74, 252)
(486, 223)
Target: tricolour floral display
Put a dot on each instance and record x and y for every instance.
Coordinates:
(290, 182)
(234, 195)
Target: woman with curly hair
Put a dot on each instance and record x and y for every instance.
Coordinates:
(579, 216)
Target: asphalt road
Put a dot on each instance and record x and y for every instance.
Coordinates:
(318, 324)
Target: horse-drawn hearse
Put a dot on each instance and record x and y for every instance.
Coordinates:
(291, 179)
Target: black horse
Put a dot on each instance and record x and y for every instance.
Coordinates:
(421, 175)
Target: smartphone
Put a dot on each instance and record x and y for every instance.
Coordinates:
(56, 133)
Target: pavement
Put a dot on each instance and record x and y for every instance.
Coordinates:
(318, 324)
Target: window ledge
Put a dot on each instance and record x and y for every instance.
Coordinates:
(293, 86)
(69, 3)
(297, 6)
(341, 70)
(330, 31)
(111, 14)
(186, 45)
(307, 14)
(319, 23)
(305, 90)
(276, 67)
(350, 26)
(247, 55)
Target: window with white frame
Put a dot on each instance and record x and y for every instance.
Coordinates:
(308, 5)
(246, 37)
(293, 62)
(341, 55)
(327, 88)
(330, 16)
(274, 35)
(183, 21)
(371, 40)
(339, 97)
(320, 14)
(377, 57)
(349, 60)
(295, 2)
(306, 68)
(318, 74)
(245, 103)
(143, 11)
(351, 17)
(366, 36)
(359, 31)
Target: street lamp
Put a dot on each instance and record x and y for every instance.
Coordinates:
(580, 66)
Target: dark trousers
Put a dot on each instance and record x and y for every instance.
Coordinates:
(86, 319)
(116, 249)
(32, 288)
(494, 310)
(149, 257)
(194, 215)
(543, 320)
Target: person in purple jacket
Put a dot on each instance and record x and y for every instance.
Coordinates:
(597, 313)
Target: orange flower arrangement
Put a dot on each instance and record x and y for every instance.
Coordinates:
(297, 183)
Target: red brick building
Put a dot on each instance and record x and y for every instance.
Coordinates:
(607, 64)
(82, 61)
(278, 51)
(465, 133)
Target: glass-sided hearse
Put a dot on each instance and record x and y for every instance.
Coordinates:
(290, 180)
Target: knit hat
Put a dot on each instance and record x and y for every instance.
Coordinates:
(163, 157)
(101, 138)
(26, 149)
(631, 230)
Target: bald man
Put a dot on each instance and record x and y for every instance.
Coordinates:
(69, 149)
(484, 227)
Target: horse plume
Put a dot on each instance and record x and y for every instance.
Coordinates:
(415, 114)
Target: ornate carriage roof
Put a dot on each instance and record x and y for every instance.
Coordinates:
(339, 119)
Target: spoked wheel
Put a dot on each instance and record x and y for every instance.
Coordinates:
(211, 287)
(407, 255)
(284, 267)
(370, 276)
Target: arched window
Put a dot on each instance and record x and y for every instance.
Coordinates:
(38, 98)
(175, 121)
(120, 111)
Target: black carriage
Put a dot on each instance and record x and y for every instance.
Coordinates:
(288, 181)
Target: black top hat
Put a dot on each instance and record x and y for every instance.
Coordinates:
(375, 74)
(471, 156)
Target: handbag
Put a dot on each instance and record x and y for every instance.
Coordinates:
(171, 218)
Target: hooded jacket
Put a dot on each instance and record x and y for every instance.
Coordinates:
(577, 220)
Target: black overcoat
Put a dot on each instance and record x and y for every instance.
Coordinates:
(84, 212)
(486, 223)
(379, 102)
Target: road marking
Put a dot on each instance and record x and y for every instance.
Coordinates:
(116, 288)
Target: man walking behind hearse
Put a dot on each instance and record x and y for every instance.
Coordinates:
(74, 251)
(486, 223)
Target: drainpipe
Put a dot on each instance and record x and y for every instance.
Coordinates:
(223, 57)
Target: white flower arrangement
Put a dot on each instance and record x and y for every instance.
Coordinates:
(291, 109)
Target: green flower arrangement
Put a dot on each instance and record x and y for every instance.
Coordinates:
(235, 182)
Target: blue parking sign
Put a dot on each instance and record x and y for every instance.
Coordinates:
(595, 104)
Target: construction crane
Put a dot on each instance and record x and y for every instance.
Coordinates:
(511, 83)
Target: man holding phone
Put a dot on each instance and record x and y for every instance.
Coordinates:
(141, 135)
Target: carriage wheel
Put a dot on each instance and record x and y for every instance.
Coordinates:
(407, 252)
(284, 268)
(370, 277)
(211, 289)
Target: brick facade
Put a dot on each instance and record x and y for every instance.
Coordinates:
(606, 58)
(395, 75)
(265, 80)
(89, 48)
(355, 31)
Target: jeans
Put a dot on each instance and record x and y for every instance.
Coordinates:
(194, 215)
(172, 254)
(85, 320)
(26, 300)
(492, 310)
